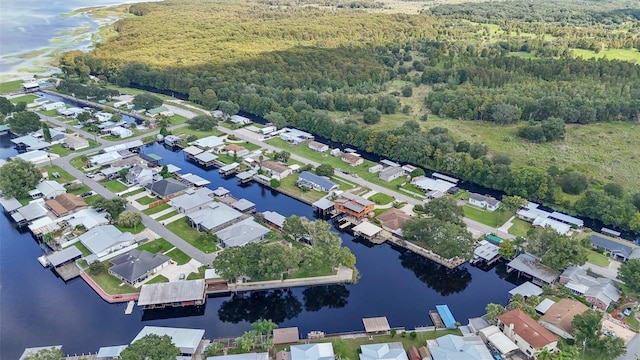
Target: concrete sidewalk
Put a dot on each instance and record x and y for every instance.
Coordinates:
(344, 275)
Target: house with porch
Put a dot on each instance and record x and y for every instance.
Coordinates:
(135, 266)
(242, 233)
(559, 316)
(105, 239)
(318, 146)
(617, 250)
(484, 202)
(65, 204)
(48, 189)
(599, 291)
(354, 205)
(528, 265)
(352, 159)
(316, 182)
(214, 216)
(166, 188)
(276, 169)
(192, 200)
(525, 332)
(392, 220)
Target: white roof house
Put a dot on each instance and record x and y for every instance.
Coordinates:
(274, 218)
(499, 340)
(89, 218)
(30, 142)
(50, 189)
(242, 233)
(54, 106)
(187, 340)
(102, 240)
(240, 120)
(120, 132)
(37, 156)
(124, 146)
(106, 158)
(319, 351)
(192, 200)
(460, 348)
(484, 202)
(208, 142)
(214, 216)
(427, 184)
(103, 116)
(249, 356)
(386, 351)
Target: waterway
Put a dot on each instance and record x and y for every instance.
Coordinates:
(38, 309)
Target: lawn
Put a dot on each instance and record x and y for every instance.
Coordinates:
(77, 163)
(167, 216)
(156, 209)
(155, 246)
(114, 186)
(60, 150)
(182, 228)
(81, 190)
(134, 192)
(321, 270)
(133, 230)
(491, 218)
(10, 86)
(381, 199)
(177, 119)
(111, 284)
(49, 113)
(27, 99)
(186, 131)
(597, 259)
(146, 200)
(65, 177)
(288, 186)
(519, 227)
(158, 279)
(83, 249)
(611, 54)
(178, 256)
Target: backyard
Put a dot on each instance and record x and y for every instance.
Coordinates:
(163, 246)
(114, 186)
(64, 177)
(111, 284)
(519, 227)
(157, 209)
(491, 218)
(182, 228)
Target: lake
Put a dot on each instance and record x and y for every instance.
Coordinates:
(39, 309)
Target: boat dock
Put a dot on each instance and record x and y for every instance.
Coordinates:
(436, 319)
(68, 271)
(129, 308)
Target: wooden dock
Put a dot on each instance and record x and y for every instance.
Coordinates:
(68, 271)
(129, 308)
(436, 319)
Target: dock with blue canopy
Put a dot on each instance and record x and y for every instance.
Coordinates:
(446, 316)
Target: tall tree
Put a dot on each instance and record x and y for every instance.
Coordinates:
(46, 133)
(513, 203)
(46, 354)
(209, 99)
(444, 209)
(228, 108)
(195, 95)
(555, 250)
(17, 177)
(24, 122)
(202, 122)
(294, 227)
(113, 206)
(630, 274)
(147, 101)
(446, 239)
(149, 347)
(130, 219)
(324, 170)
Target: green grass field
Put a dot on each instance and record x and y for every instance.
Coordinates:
(182, 228)
(519, 227)
(178, 256)
(114, 186)
(491, 218)
(83, 249)
(60, 150)
(10, 86)
(134, 192)
(111, 284)
(167, 216)
(133, 230)
(158, 279)
(146, 200)
(81, 190)
(24, 98)
(156, 209)
(288, 185)
(597, 259)
(632, 55)
(381, 199)
(65, 177)
(155, 246)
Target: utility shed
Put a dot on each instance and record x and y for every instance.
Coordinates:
(174, 294)
(187, 340)
(376, 325)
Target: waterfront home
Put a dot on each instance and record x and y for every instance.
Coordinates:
(166, 188)
(444, 177)
(172, 294)
(40, 101)
(57, 135)
(65, 204)
(237, 150)
(53, 106)
(274, 219)
(313, 181)
(525, 332)
(136, 265)
(47, 189)
(105, 159)
(141, 175)
(560, 315)
(120, 132)
(239, 120)
(352, 159)
(383, 351)
(87, 218)
(192, 200)
(194, 180)
(105, 239)
(318, 351)
(529, 266)
(244, 205)
(492, 335)
(221, 192)
(28, 352)
(209, 142)
(62, 257)
(484, 202)
(526, 289)
(458, 347)
(248, 356)
(37, 156)
(376, 168)
(409, 168)
(10, 205)
(532, 213)
(599, 292)
(132, 146)
(428, 184)
(353, 205)
(29, 143)
(103, 116)
(318, 146)
(617, 250)
(242, 233)
(391, 173)
(187, 340)
(268, 130)
(172, 140)
(295, 136)
(214, 216)
(160, 110)
(275, 169)
(544, 306)
(393, 220)
(75, 142)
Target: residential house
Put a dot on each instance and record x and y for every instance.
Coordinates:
(48, 189)
(351, 159)
(30, 212)
(214, 216)
(192, 200)
(560, 222)
(75, 142)
(103, 116)
(186, 340)
(133, 146)
(484, 202)
(313, 181)
(617, 250)
(392, 220)
(103, 240)
(268, 130)
(239, 120)
(57, 135)
(37, 156)
(295, 136)
(65, 204)
(141, 175)
(492, 335)
(244, 205)
(120, 132)
(384, 351)
(525, 332)
(166, 188)
(209, 142)
(391, 173)
(105, 159)
(353, 205)
(335, 152)
(160, 110)
(242, 233)
(236, 150)
(459, 348)
(317, 351)
(53, 106)
(376, 168)
(274, 219)
(318, 146)
(428, 184)
(275, 169)
(172, 140)
(29, 143)
(600, 292)
(530, 266)
(88, 219)
(135, 266)
(194, 180)
(559, 316)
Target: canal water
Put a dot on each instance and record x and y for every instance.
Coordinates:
(38, 309)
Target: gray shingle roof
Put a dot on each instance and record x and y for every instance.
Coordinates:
(242, 233)
(166, 187)
(320, 181)
(612, 246)
(214, 215)
(135, 264)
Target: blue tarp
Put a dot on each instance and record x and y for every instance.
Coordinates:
(447, 316)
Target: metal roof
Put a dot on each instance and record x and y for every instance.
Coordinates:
(486, 250)
(323, 204)
(529, 265)
(376, 324)
(220, 191)
(243, 205)
(32, 350)
(175, 291)
(110, 351)
(386, 351)
(544, 305)
(288, 335)
(31, 142)
(214, 215)
(10, 204)
(195, 180)
(187, 340)
(432, 184)
(209, 142)
(445, 177)
(229, 167)
(274, 218)
(192, 150)
(319, 351)
(447, 316)
(526, 289)
(366, 228)
(192, 200)
(101, 238)
(498, 339)
(566, 218)
(320, 181)
(249, 356)
(242, 233)
(60, 257)
(389, 163)
(206, 157)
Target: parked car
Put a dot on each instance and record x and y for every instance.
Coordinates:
(627, 311)
(88, 193)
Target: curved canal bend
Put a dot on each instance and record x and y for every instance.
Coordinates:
(38, 309)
